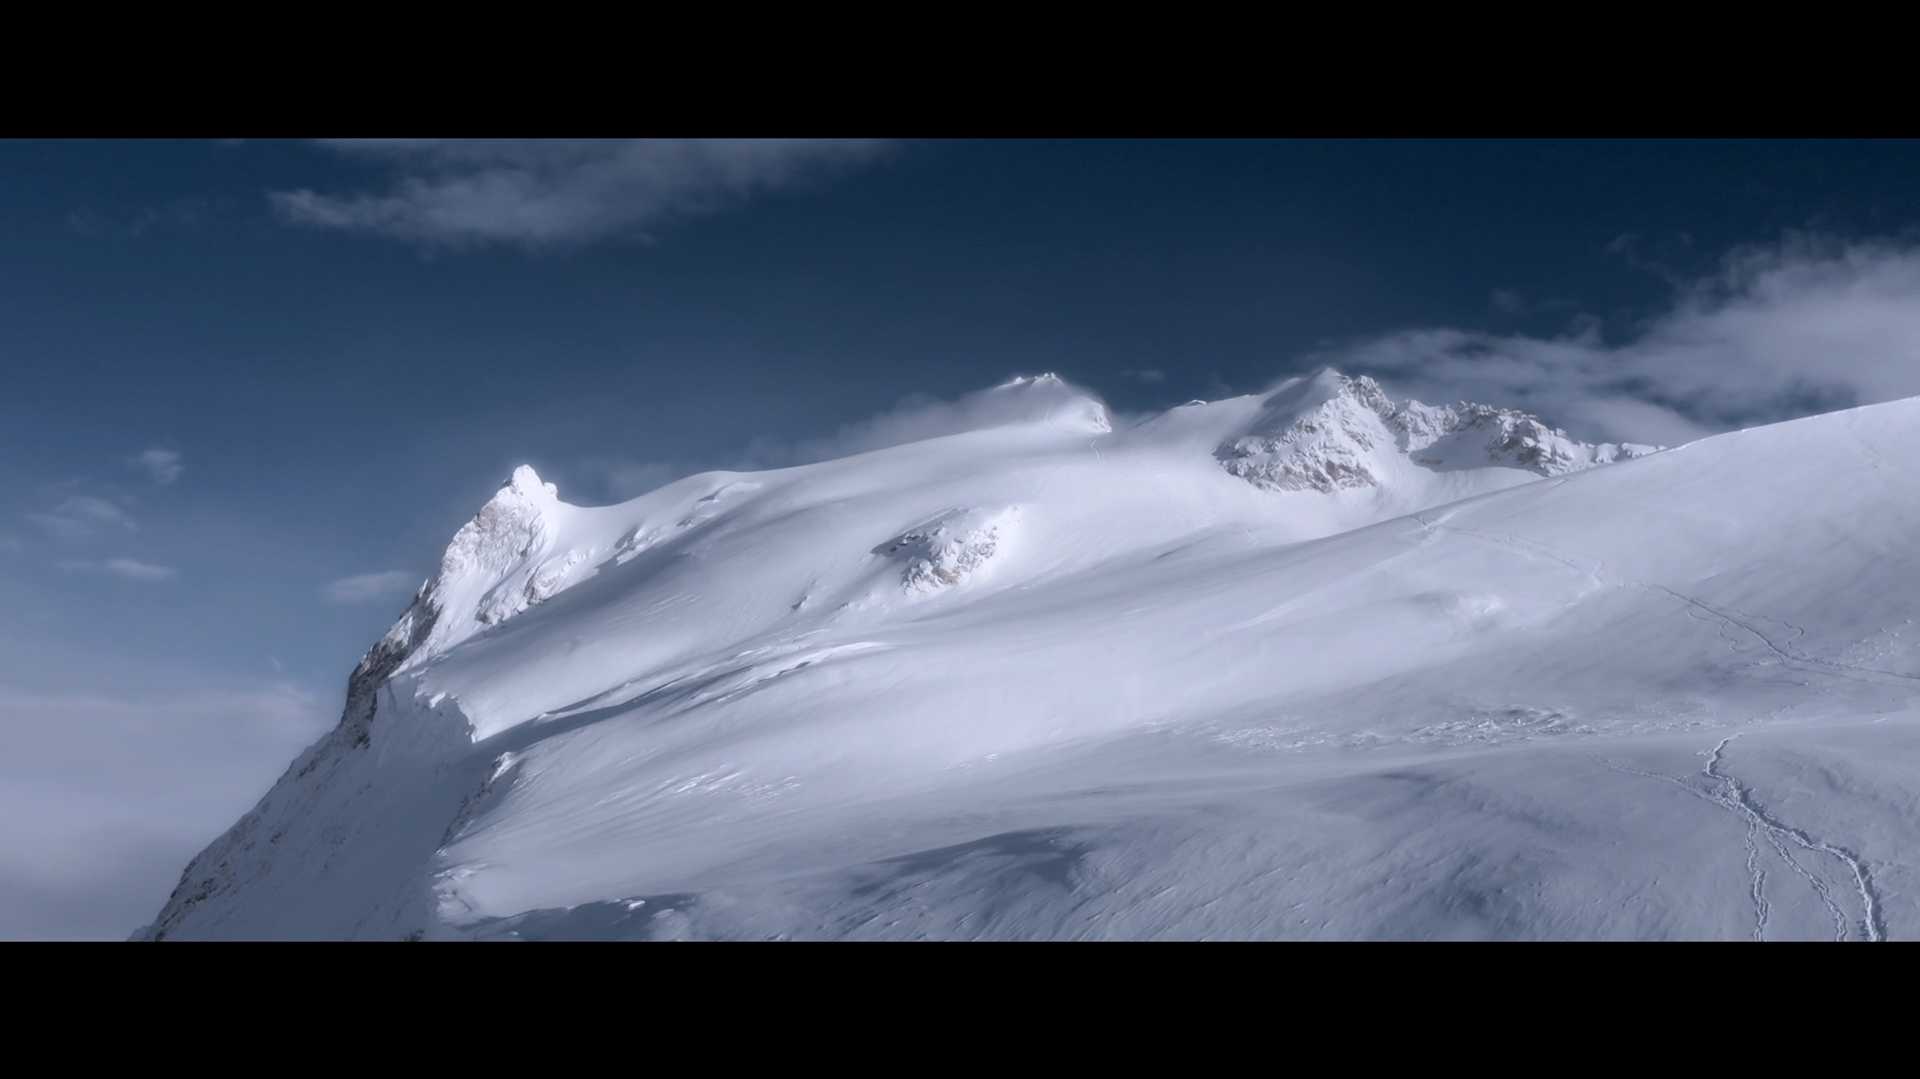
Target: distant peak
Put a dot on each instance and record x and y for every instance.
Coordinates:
(1328, 430)
(1305, 392)
(1361, 386)
(1326, 377)
(1032, 398)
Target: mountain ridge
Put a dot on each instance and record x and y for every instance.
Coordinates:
(732, 706)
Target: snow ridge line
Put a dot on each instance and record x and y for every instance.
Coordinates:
(1874, 457)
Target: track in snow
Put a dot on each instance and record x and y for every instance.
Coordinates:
(1735, 797)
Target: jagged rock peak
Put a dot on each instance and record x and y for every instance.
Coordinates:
(489, 572)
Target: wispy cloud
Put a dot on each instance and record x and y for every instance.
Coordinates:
(559, 192)
(135, 570)
(128, 568)
(1807, 325)
(1152, 376)
(912, 419)
(162, 465)
(368, 587)
(619, 479)
(919, 416)
(81, 516)
(1660, 256)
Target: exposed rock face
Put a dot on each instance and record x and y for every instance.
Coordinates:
(948, 549)
(1324, 450)
(497, 564)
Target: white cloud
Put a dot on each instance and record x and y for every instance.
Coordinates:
(163, 465)
(134, 570)
(129, 568)
(368, 587)
(81, 516)
(551, 193)
(1805, 326)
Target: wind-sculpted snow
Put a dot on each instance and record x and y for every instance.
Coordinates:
(1046, 676)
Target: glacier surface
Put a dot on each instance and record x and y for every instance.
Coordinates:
(1305, 664)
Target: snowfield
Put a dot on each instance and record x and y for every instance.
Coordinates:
(1308, 664)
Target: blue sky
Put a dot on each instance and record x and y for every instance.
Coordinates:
(252, 387)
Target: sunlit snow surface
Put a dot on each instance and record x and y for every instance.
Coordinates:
(1062, 678)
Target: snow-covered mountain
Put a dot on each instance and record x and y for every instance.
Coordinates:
(1312, 663)
(1330, 431)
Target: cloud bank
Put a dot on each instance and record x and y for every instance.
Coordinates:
(1805, 326)
(108, 793)
(553, 193)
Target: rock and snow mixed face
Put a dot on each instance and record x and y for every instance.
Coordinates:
(950, 548)
(1048, 676)
(496, 565)
(1330, 432)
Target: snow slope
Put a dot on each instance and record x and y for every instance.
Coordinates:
(1304, 664)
